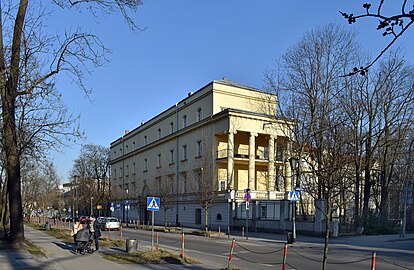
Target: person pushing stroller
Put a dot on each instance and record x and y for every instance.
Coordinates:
(84, 240)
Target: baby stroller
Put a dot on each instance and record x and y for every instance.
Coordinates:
(84, 241)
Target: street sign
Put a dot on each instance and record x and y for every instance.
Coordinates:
(293, 196)
(247, 205)
(118, 206)
(112, 209)
(112, 204)
(247, 197)
(153, 204)
(99, 206)
(126, 202)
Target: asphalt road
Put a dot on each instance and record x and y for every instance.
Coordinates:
(265, 253)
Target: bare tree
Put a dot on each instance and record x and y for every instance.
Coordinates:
(69, 54)
(308, 84)
(40, 185)
(165, 191)
(394, 25)
(90, 171)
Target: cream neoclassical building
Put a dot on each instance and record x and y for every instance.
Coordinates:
(222, 139)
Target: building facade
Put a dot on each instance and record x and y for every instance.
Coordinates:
(201, 155)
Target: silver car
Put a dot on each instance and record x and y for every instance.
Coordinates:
(110, 223)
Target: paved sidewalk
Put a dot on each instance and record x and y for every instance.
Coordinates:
(59, 256)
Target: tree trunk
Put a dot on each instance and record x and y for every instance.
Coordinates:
(367, 194)
(384, 197)
(357, 195)
(9, 90)
(327, 232)
(206, 221)
(367, 180)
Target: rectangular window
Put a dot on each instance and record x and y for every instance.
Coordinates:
(145, 165)
(145, 140)
(222, 185)
(171, 156)
(199, 149)
(184, 152)
(134, 168)
(159, 133)
(159, 160)
(171, 182)
(127, 170)
(184, 121)
(199, 114)
(263, 212)
(184, 183)
(171, 127)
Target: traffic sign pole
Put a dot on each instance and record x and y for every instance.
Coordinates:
(152, 232)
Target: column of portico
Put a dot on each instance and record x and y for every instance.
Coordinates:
(230, 158)
(271, 167)
(252, 160)
(288, 174)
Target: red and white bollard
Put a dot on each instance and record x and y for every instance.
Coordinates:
(285, 250)
(228, 232)
(120, 231)
(109, 231)
(231, 253)
(373, 260)
(182, 245)
(242, 232)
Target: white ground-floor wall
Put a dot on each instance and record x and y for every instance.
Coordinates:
(261, 215)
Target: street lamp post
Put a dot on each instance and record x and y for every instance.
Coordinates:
(126, 205)
(76, 195)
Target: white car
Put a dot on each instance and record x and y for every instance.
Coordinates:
(111, 223)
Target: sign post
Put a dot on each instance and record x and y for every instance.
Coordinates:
(293, 197)
(153, 204)
(247, 198)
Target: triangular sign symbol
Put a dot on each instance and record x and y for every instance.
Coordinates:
(294, 196)
(153, 204)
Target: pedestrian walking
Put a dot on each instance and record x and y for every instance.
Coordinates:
(76, 227)
(96, 231)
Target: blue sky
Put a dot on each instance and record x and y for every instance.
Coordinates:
(187, 44)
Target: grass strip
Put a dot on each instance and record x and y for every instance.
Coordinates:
(149, 257)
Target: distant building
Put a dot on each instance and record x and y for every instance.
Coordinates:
(206, 150)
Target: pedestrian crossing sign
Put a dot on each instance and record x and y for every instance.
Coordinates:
(293, 196)
(153, 204)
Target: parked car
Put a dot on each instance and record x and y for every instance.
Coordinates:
(111, 223)
(100, 220)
